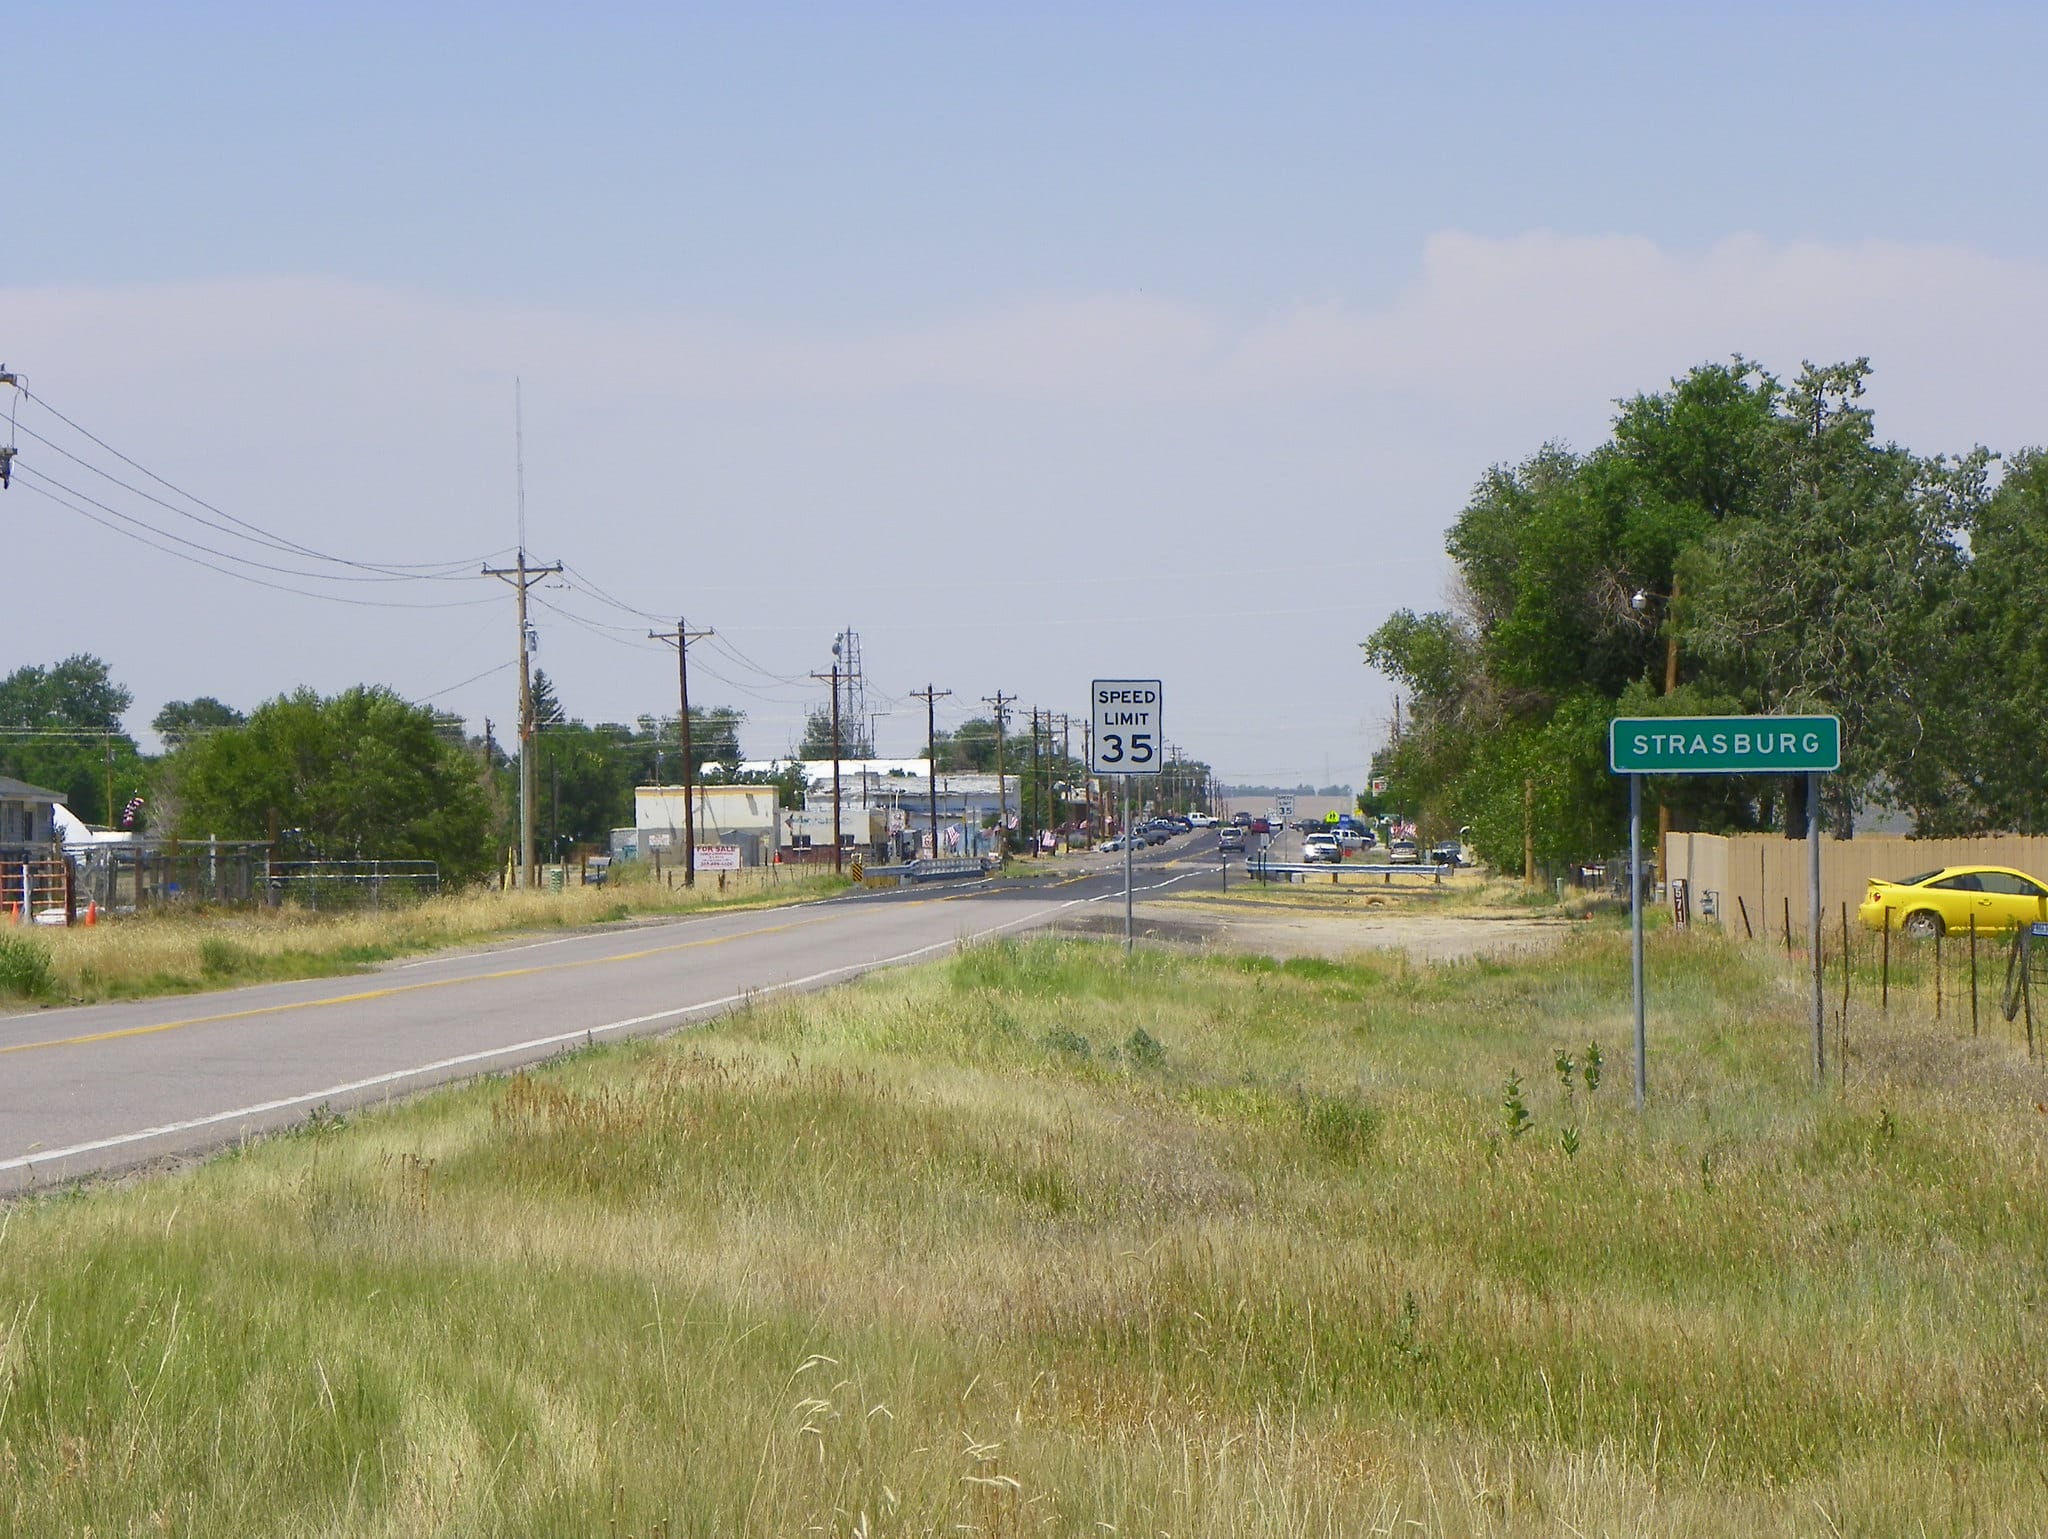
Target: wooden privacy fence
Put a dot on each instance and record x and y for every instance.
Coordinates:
(1730, 876)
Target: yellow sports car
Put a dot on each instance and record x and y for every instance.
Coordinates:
(1945, 901)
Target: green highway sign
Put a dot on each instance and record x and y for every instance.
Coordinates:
(1724, 745)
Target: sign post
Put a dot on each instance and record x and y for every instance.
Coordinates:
(1723, 745)
(1125, 740)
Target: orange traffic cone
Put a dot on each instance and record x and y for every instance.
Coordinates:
(92, 913)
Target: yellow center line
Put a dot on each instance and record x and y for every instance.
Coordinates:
(401, 988)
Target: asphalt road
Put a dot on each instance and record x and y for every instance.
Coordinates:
(100, 1088)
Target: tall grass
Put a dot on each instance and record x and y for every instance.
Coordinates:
(1039, 1240)
(25, 971)
(170, 950)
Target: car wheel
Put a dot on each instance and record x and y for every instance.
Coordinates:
(1921, 924)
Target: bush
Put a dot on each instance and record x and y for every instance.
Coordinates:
(25, 967)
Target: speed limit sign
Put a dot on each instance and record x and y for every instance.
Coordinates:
(1127, 735)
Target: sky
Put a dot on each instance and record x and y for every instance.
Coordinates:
(1034, 343)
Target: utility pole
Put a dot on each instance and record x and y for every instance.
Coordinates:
(1037, 786)
(1066, 768)
(680, 640)
(7, 377)
(1002, 703)
(522, 577)
(930, 696)
(838, 841)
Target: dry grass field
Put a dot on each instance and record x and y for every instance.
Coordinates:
(174, 951)
(1043, 1241)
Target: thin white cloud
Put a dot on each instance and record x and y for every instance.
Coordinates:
(1540, 317)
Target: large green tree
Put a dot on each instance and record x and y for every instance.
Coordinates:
(1737, 545)
(180, 720)
(362, 775)
(60, 727)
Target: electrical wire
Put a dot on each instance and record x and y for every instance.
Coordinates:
(254, 529)
(450, 689)
(592, 590)
(179, 539)
(332, 598)
(439, 572)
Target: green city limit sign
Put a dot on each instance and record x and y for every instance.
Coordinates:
(1724, 745)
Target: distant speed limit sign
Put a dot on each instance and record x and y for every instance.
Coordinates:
(1127, 735)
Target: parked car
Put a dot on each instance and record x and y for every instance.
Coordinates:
(1262, 825)
(1947, 900)
(1321, 849)
(1447, 852)
(1349, 839)
(1402, 852)
(1241, 819)
(1201, 820)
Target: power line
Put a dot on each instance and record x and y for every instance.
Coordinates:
(254, 529)
(261, 582)
(374, 571)
(225, 555)
(450, 689)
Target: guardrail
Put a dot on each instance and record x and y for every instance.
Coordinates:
(1265, 870)
(938, 869)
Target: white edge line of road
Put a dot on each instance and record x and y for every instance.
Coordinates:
(587, 1033)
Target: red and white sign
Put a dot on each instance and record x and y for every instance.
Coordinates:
(718, 857)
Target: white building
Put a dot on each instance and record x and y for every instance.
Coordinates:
(746, 816)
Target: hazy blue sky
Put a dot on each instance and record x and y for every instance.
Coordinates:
(1033, 342)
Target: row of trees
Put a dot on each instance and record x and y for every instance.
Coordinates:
(1738, 545)
(365, 774)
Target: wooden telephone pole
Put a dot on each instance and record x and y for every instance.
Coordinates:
(838, 839)
(930, 696)
(522, 577)
(1002, 703)
(680, 638)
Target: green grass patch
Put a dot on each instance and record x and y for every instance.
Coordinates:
(1042, 1239)
(25, 970)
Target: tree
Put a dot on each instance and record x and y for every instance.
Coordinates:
(60, 727)
(1987, 717)
(180, 720)
(1838, 599)
(854, 739)
(78, 692)
(359, 776)
(715, 738)
(547, 709)
(1736, 546)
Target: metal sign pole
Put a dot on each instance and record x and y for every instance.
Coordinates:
(1126, 780)
(1813, 924)
(1635, 914)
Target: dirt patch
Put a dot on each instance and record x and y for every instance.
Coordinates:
(1423, 935)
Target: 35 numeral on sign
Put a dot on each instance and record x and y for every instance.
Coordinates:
(1140, 748)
